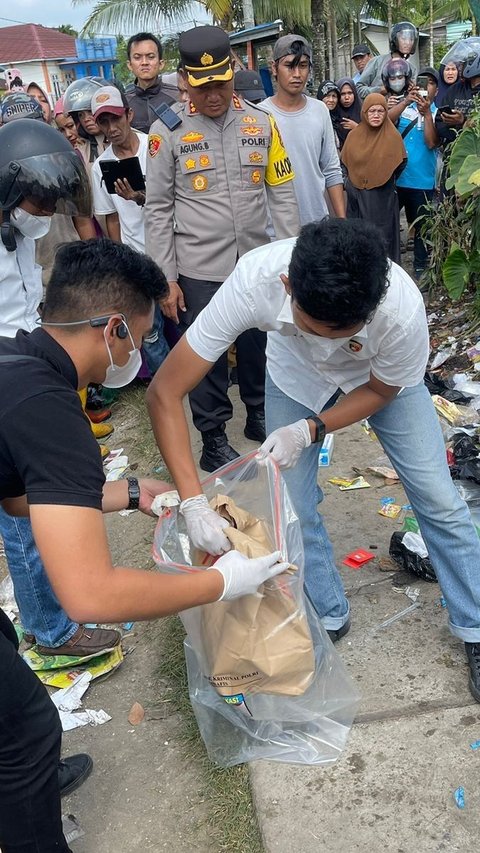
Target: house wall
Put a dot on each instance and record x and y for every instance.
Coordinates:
(45, 73)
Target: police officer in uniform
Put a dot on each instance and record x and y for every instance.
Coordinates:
(213, 163)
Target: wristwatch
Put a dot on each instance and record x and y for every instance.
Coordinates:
(319, 429)
(133, 493)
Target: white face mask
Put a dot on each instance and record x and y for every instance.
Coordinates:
(323, 347)
(30, 225)
(118, 377)
(396, 84)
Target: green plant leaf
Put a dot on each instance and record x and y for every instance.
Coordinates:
(456, 272)
(467, 145)
(463, 184)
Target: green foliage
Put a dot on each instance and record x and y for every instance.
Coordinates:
(67, 29)
(122, 71)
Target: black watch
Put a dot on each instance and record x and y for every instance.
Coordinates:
(319, 429)
(133, 493)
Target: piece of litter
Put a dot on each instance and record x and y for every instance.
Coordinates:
(412, 592)
(70, 698)
(475, 744)
(116, 468)
(347, 485)
(387, 501)
(443, 603)
(126, 512)
(390, 510)
(71, 828)
(136, 715)
(357, 558)
(83, 718)
(127, 626)
(459, 797)
(397, 616)
(171, 498)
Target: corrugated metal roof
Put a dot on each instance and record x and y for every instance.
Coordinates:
(32, 41)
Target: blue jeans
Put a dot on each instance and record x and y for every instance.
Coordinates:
(40, 611)
(409, 431)
(155, 346)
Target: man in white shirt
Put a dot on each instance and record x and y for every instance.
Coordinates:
(307, 131)
(124, 209)
(339, 317)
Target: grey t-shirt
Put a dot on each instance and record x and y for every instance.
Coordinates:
(310, 143)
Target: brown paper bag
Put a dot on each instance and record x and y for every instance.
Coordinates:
(257, 643)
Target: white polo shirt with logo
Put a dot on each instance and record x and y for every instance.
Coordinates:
(393, 346)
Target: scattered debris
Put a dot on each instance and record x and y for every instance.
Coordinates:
(71, 828)
(390, 510)
(475, 745)
(357, 558)
(459, 797)
(348, 485)
(136, 715)
(69, 699)
(398, 616)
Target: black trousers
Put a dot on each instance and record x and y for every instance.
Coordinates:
(30, 740)
(414, 202)
(209, 401)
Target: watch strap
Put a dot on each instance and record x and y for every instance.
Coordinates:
(133, 493)
(319, 429)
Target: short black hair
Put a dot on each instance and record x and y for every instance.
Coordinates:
(338, 271)
(144, 37)
(95, 277)
(299, 49)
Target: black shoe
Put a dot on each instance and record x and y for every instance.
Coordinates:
(473, 655)
(73, 771)
(338, 633)
(255, 425)
(216, 449)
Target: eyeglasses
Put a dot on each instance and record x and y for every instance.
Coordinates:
(379, 112)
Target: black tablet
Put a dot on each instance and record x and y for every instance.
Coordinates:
(128, 168)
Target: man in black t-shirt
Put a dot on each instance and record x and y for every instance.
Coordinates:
(98, 308)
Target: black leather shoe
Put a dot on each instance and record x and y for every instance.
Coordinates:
(216, 450)
(255, 425)
(73, 771)
(337, 634)
(473, 656)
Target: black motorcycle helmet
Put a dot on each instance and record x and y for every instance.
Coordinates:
(37, 163)
(471, 67)
(78, 95)
(396, 75)
(403, 38)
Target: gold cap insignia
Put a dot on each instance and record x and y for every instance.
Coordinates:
(206, 59)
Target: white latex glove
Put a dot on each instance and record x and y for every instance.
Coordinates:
(286, 444)
(204, 525)
(243, 576)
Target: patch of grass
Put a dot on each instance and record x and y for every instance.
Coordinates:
(232, 819)
(132, 426)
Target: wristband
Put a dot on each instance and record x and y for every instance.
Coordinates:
(133, 493)
(319, 429)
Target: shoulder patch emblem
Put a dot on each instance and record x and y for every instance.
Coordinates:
(193, 136)
(256, 176)
(204, 160)
(252, 131)
(199, 183)
(249, 120)
(154, 143)
(354, 346)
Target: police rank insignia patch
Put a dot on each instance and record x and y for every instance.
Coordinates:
(252, 131)
(255, 157)
(190, 164)
(204, 160)
(154, 143)
(193, 136)
(256, 176)
(199, 183)
(249, 120)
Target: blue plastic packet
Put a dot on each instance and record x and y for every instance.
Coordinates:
(459, 796)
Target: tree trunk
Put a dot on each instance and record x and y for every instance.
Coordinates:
(431, 34)
(330, 69)
(351, 39)
(333, 28)
(389, 15)
(359, 29)
(248, 16)
(318, 41)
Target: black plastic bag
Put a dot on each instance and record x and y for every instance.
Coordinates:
(408, 560)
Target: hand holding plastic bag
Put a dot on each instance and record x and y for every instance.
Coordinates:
(286, 444)
(243, 576)
(205, 527)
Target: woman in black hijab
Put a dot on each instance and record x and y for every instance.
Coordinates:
(347, 113)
